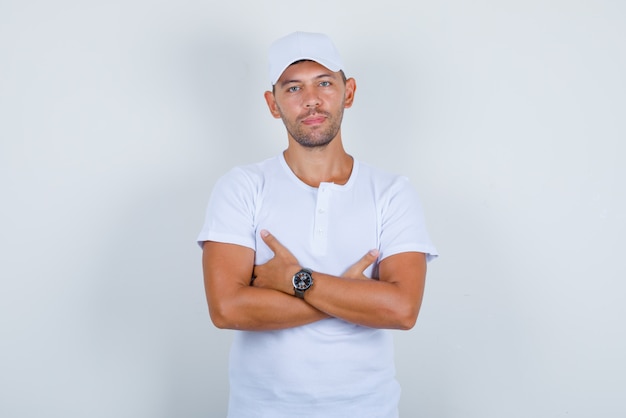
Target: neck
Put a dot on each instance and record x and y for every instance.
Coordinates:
(328, 164)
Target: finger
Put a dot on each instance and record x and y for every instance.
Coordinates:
(357, 269)
(271, 241)
(366, 260)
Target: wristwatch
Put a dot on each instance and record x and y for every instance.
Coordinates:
(302, 281)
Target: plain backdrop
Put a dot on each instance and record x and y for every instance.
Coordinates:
(117, 117)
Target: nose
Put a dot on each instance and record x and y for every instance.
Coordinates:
(311, 99)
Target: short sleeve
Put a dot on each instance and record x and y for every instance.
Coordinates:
(230, 211)
(403, 226)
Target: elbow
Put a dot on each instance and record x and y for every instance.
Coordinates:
(407, 323)
(405, 316)
(220, 317)
(219, 322)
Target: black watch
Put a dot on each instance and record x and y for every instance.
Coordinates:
(302, 281)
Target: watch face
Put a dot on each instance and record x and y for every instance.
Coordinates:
(302, 280)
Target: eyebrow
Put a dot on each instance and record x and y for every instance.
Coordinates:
(323, 75)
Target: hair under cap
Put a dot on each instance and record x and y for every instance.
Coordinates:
(302, 46)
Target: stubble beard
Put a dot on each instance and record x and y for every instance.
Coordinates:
(315, 138)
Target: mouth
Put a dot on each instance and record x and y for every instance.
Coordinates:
(314, 119)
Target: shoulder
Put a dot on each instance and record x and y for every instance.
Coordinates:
(383, 180)
(250, 175)
(377, 173)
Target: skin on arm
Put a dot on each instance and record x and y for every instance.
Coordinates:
(393, 301)
(234, 304)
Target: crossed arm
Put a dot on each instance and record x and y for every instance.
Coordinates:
(393, 301)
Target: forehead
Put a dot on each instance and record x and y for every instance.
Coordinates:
(305, 70)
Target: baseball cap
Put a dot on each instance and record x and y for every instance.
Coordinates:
(302, 46)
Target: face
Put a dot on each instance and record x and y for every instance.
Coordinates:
(310, 100)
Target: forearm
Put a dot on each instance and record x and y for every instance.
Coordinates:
(256, 309)
(393, 301)
(366, 302)
(235, 304)
(371, 303)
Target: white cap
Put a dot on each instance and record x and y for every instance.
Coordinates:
(302, 46)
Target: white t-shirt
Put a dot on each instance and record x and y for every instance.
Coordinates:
(330, 368)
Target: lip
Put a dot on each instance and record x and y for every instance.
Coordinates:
(314, 120)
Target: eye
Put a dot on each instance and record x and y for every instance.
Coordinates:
(325, 83)
(293, 89)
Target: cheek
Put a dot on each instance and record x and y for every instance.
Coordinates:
(288, 110)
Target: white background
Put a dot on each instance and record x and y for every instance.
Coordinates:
(117, 117)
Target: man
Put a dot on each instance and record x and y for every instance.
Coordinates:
(313, 256)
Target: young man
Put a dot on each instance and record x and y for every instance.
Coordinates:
(313, 256)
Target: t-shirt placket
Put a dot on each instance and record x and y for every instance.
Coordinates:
(320, 225)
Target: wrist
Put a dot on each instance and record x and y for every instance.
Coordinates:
(302, 281)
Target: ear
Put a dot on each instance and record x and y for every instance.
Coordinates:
(350, 90)
(271, 103)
